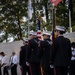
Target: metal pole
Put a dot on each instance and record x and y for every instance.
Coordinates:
(39, 25)
(29, 15)
(70, 24)
(53, 22)
(28, 28)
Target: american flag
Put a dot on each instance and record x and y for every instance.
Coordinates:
(38, 27)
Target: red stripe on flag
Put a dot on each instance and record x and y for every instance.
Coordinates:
(39, 34)
(55, 2)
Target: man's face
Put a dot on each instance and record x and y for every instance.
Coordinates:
(24, 42)
(31, 36)
(44, 36)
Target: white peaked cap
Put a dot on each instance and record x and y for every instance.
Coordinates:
(46, 33)
(26, 39)
(60, 28)
(32, 33)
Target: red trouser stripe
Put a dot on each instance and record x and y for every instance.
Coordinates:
(30, 69)
(54, 71)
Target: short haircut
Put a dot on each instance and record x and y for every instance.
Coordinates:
(2, 53)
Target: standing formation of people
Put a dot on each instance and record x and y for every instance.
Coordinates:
(47, 57)
(42, 57)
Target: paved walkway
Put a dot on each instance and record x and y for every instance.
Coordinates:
(18, 71)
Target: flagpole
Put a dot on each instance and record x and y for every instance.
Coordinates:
(28, 28)
(29, 15)
(53, 21)
(70, 24)
(28, 20)
(55, 3)
(39, 25)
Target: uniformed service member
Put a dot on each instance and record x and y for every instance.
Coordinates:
(33, 54)
(22, 58)
(45, 49)
(62, 52)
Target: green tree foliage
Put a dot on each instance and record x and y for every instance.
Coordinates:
(62, 14)
(13, 11)
(11, 15)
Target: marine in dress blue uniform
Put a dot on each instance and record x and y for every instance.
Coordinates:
(33, 54)
(62, 52)
(22, 58)
(45, 51)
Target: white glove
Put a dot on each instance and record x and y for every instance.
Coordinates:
(51, 66)
(27, 63)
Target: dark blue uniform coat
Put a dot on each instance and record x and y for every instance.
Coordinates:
(62, 52)
(45, 48)
(33, 50)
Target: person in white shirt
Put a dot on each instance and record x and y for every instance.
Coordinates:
(0, 63)
(72, 66)
(5, 63)
(14, 62)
